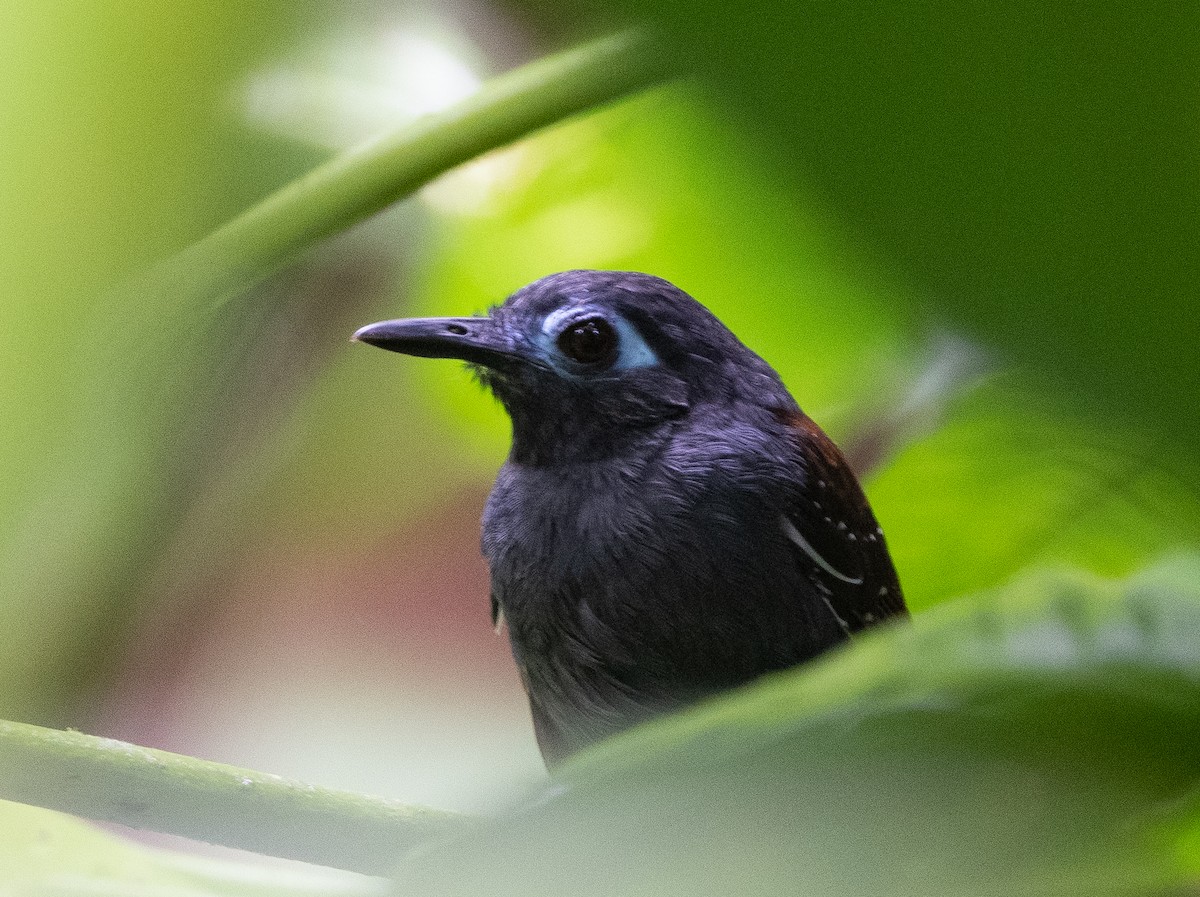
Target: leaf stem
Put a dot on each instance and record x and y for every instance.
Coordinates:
(114, 781)
(364, 180)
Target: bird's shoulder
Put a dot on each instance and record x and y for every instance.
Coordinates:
(733, 446)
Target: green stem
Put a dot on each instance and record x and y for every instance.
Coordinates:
(113, 781)
(366, 179)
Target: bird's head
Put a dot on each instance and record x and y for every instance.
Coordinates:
(586, 361)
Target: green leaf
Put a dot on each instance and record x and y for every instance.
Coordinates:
(1032, 741)
(1008, 482)
(118, 145)
(1032, 171)
(47, 854)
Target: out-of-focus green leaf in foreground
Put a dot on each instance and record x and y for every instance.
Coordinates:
(1032, 169)
(48, 854)
(117, 147)
(1037, 741)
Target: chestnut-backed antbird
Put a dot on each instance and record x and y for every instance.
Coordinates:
(668, 523)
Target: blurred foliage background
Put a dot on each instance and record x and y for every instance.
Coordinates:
(967, 239)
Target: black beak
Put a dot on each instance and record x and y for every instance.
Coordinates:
(476, 340)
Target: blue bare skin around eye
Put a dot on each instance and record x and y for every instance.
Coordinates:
(632, 350)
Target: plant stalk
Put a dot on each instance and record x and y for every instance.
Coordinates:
(114, 781)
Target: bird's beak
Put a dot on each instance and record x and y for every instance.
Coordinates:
(477, 340)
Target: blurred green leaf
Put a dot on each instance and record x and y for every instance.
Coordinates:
(1009, 481)
(1032, 741)
(1032, 171)
(118, 144)
(47, 854)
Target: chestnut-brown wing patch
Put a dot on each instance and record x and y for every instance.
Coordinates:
(837, 539)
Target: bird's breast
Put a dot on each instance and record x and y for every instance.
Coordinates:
(631, 587)
(654, 549)
(555, 524)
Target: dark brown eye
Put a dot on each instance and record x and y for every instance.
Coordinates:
(589, 342)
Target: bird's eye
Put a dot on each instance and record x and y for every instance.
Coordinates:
(589, 342)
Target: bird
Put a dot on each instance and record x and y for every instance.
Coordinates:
(668, 523)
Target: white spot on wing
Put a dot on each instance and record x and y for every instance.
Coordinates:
(789, 530)
(845, 627)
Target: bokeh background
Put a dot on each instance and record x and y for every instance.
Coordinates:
(967, 239)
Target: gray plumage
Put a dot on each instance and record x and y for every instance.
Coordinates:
(668, 524)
